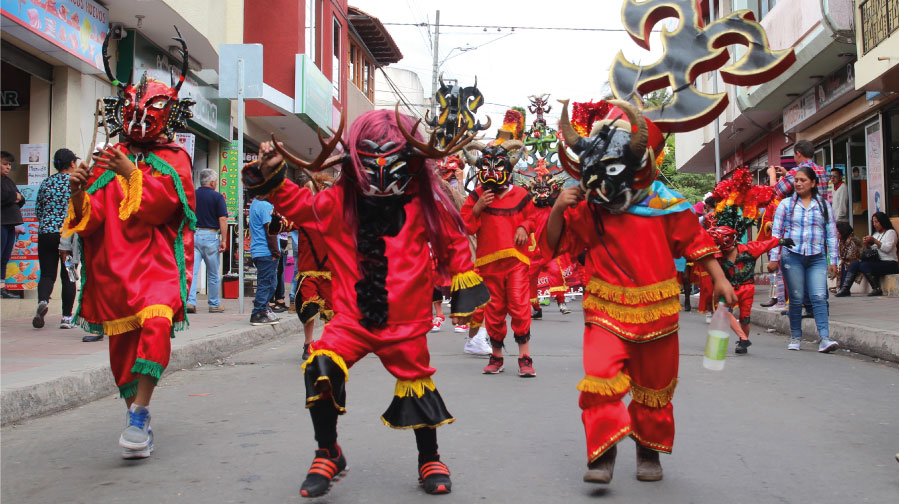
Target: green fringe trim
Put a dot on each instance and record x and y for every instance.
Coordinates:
(127, 390)
(190, 218)
(150, 368)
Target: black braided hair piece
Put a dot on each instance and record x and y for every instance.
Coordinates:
(377, 219)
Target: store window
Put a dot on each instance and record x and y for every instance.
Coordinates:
(25, 120)
(892, 157)
(335, 62)
(311, 21)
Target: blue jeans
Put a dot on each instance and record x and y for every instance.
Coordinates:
(806, 275)
(206, 248)
(266, 279)
(294, 239)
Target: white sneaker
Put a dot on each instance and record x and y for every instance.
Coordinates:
(478, 345)
(66, 323)
(437, 324)
(827, 345)
(708, 318)
(794, 344)
(778, 307)
(564, 309)
(461, 328)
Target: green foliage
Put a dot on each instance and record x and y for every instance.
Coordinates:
(692, 186)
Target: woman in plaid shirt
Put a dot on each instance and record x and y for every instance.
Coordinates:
(808, 219)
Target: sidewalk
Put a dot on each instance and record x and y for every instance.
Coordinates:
(866, 325)
(47, 370)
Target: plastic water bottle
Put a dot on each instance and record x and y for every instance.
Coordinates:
(716, 342)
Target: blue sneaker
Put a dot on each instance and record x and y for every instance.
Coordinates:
(136, 435)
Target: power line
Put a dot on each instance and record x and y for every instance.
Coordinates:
(500, 27)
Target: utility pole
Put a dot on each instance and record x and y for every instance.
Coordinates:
(434, 71)
(715, 91)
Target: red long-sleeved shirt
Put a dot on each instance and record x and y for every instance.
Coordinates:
(496, 225)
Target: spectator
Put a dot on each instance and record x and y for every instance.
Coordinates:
(850, 253)
(807, 218)
(265, 251)
(11, 202)
(212, 227)
(51, 210)
(884, 263)
(840, 197)
(803, 152)
(276, 302)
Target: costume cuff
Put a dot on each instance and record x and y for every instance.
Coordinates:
(132, 187)
(699, 253)
(70, 226)
(468, 294)
(257, 185)
(416, 404)
(326, 366)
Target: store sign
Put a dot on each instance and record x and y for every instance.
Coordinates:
(230, 170)
(829, 90)
(76, 26)
(189, 142)
(874, 154)
(23, 270)
(312, 95)
(212, 114)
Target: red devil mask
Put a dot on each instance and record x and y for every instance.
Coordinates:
(725, 237)
(149, 111)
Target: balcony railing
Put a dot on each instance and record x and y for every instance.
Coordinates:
(880, 18)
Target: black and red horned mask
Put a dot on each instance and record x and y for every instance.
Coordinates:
(494, 163)
(150, 110)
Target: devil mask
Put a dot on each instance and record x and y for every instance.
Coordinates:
(614, 161)
(494, 164)
(389, 167)
(149, 111)
(725, 237)
(545, 188)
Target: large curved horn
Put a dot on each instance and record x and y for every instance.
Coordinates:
(440, 80)
(109, 74)
(184, 59)
(640, 137)
(470, 157)
(568, 132)
(514, 145)
(475, 82)
(430, 149)
(322, 161)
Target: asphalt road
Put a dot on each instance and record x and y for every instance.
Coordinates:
(773, 427)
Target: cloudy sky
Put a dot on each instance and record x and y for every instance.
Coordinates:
(510, 65)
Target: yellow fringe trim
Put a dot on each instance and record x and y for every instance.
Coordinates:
(70, 227)
(654, 398)
(630, 336)
(615, 385)
(502, 254)
(557, 289)
(467, 314)
(132, 188)
(633, 295)
(633, 314)
(699, 254)
(405, 388)
(649, 444)
(334, 357)
(466, 280)
(130, 323)
(314, 274)
(608, 444)
(419, 426)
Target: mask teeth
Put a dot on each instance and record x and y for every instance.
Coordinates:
(143, 124)
(133, 120)
(601, 195)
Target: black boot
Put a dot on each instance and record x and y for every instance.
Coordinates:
(769, 304)
(874, 280)
(847, 284)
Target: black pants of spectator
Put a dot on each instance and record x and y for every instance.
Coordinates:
(876, 268)
(48, 257)
(279, 287)
(6, 243)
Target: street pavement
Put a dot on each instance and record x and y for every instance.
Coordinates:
(772, 427)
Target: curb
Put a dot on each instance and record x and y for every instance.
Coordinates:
(66, 392)
(857, 338)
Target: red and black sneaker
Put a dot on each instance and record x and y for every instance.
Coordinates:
(434, 477)
(325, 471)
(526, 367)
(494, 366)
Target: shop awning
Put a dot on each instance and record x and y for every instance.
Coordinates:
(375, 37)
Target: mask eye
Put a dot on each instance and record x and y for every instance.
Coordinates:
(127, 102)
(614, 169)
(159, 105)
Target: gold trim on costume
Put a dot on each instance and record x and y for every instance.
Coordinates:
(615, 385)
(67, 228)
(699, 254)
(406, 388)
(650, 444)
(334, 357)
(314, 274)
(465, 280)
(654, 398)
(609, 325)
(502, 254)
(132, 322)
(633, 314)
(132, 189)
(466, 314)
(608, 444)
(419, 426)
(311, 400)
(633, 295)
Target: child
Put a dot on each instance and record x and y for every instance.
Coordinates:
(377, 223)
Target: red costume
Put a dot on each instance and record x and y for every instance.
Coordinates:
(550, 269)
(313, 294)
(502, 264)
(149, 215)
(741, 273)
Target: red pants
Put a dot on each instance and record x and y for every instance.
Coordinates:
(553, 272)
(745, 294)
(313, 297)
(141, 351)
(507, 282)
(706, 303)
(612, 367)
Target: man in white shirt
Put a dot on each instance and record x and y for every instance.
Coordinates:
(840, 196)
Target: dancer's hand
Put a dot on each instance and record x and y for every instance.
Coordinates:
(78, 179)
(115, 161)
(521, 237)
(569, 198)
(461, 320)
(269, 158)
(485, 200)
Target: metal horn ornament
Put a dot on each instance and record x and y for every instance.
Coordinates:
(184, 60)
(321, 161)
(571, 137)
(430, 149)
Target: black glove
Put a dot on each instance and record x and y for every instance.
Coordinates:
(787, 242)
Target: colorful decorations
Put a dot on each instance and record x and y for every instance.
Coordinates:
(739, 204)
(539, 106)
